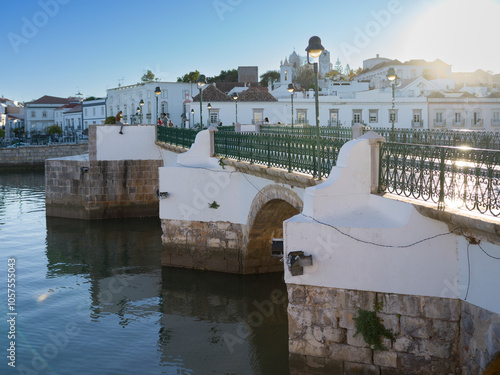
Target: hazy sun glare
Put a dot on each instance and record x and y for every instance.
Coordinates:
(462, 33)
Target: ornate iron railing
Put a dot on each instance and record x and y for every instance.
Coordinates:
(290, 152)
(325, 131)
(226, 128)
(449, 176)
(176, 136)
(453, 138)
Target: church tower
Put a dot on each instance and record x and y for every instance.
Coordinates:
(286, 73)
(325, 64)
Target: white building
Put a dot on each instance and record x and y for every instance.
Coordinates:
(40, 113)
(94, 112)
(72, 120)
(171, 101)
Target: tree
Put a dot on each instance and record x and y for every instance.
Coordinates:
(110, 120)
(338, 66)
(54, 129)
(347, 70)
(2, 133)
(269, 76)
(333, 75)
(90, 98)
(148, 76)
(225, 76)
(304, 76)
(189, 77)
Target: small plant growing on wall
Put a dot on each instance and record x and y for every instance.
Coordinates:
(214, 205)
(221, 163)
(371, 328)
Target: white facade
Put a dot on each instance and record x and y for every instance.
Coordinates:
(72, 120)
(170, 101)
(94, 112)
(40, 114)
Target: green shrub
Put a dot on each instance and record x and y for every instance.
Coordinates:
(110, 120)
(54, 129)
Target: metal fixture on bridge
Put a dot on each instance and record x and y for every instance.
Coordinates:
(314, 49)
(157, 92)
(392, 77)
(201, 81)
(296, 261)
(209, 107)
(235, 98)
(291, 89)
(141, 104)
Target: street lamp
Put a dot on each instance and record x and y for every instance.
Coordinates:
(314, 49)
(209, 106)
(235, 98)
(392, 76)
(201, 81)
(137, 117)
(141, 104)
(291, 89)
(157, 92)
(192, 112)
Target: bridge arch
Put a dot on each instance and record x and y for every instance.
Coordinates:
(270, 207)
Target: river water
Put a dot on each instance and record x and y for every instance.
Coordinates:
(92, 298)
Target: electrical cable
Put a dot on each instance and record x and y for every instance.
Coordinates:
(484, 251)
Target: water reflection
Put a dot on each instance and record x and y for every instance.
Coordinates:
(204, 322)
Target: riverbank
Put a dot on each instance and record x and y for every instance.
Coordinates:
(33, 157)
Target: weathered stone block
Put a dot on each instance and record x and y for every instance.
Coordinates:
(416, 327)
(442, 308)
(343, 352)
(356, 340)
(385, 358)
(360, 369)
(401, 304)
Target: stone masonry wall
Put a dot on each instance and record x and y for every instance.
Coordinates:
(214, 246)
(322, 331)
(35, 156)
(102, 189)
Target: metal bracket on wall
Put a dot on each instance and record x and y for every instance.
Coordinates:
(296, 261)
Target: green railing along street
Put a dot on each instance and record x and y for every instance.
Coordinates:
(453, 138)
(290, 152)
(325, 131)
(449, 176)
(176, 136)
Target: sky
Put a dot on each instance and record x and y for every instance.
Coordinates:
(62, 47)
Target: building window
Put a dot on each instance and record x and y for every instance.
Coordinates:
(125, 110)
(334, 117)
(476, 118)
(214, 117)
(496, 118)
(85, 112)
(356, 116)
(93, 111)
(302, 116)
(164, 107)
(373, 116)
(33, 114)
(164, 94)
(438, 121)
(44, 114)
(258, 116)
(111, 109)
(102, 111)
(286, 75)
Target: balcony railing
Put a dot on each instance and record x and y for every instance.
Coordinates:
(439, 123)
(417, 124)
(495, 122)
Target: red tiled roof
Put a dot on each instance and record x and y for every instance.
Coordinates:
(46, 99)
(254, 94)
(77, 108)
(213, 94)
(71, 105)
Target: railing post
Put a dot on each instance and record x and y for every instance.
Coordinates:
(441, 180)
(212, 141)
(357, 131)
(374, 141)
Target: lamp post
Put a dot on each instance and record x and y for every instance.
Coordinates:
(314, 49)
(201, 81)
(392, 76)
(209, 107)
(192, 112)
(141, 104)
(137, 117)
(157, 92)
(235, 98)
(291, 89)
